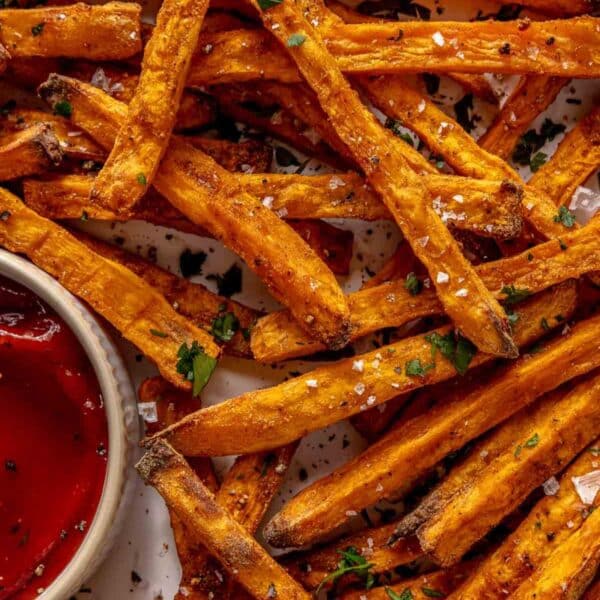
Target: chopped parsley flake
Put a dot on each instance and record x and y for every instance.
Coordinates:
(533, 441)
(266, 4)
(405, 595)
(565, 216)
(352, 562)
(431, 593)
(538, 161)
(414, 368)
(158, 333)
(413, 284)
(224, 326)
(195, 365)
(458, 350)
(544, 324)
(515, 295)
(141, 179)
(295, 40)
(37, 29)
(63, 108)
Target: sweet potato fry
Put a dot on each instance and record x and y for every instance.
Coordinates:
(29, 152)
(277, 337)
(477, 84)
(329, 394)
(515, 47)
(144, 136)
(310, 568)
(551, 522)
(569, 569)
(170, 404)
(575, 159)
(71, 141)
(558, 8)
(191, 300)
(480, 318)
(408, 451)
(214, 526)
(139, 312)
(545, 438)
(437, 584)
(487, 208)
(532, 96)
(105, 32)
(209, 196)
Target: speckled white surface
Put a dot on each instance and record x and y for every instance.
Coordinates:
(145, 546)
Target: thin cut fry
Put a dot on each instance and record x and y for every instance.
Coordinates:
(575, 159)
(67, 197)
(569, 569)
(407, 452)
(480, 318)
(487, 208)
(245, 560)
(209, 196)
(544, 440)
(191, 300)
(140, 313)
(29, 152)
(437, 584)
(477, 84)
(105, 32)
(144, 136)
(531, 97)
(557, 516)
(311, 567)
(72, 142)
(515, 47)
(329, 394)
(277, 337)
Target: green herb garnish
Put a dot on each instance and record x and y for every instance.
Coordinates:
(195, 365)
(352, 562)
(544, 324)
(141, 179)
(266, 4)
(458, 350)
(224, 326)
(158, 333)
(295, 40)
(538, 161)
(565, 216)
(413, 284)
(431, 593)
(533, 441)
(405, 595)
(515, 295)
(37, 29)
(63, 108)
(414, 368)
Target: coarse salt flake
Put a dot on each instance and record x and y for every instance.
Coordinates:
(587, 486)
(438, 39)
(462, 293)
(442, 277)
(358, 366)
(268, 201)
(312, 383)
(359, 388)
(551, 486)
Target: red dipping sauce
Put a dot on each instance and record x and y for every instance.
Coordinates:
(53, 443)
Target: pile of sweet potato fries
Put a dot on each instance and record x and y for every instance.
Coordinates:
(485, 419)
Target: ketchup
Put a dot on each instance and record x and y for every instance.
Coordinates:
(53, 443)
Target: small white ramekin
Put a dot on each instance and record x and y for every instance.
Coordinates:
(121, 414)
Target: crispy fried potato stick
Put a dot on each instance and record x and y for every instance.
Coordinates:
(139, 312)
(532, 96)
(569, 569)
(431, 585)
(559, 8)
(311, 567)
(71, 141)
(214, 526)
(525, 551)
(477, 84)
(544, 440)
(278, 415)
(171, 404)
(106, 32)
(480, 318)
(515, 47)
(575, 159)
(144, 136)
(485, 207)
(29, 152)
(209, 196)
(407, 452)
(276, 336)
(67, 197)
(191, 300)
